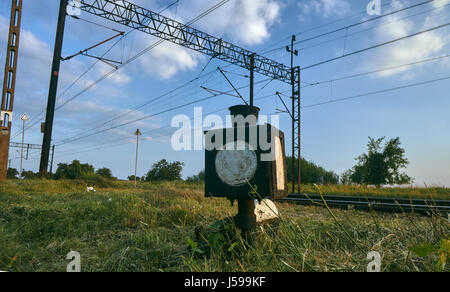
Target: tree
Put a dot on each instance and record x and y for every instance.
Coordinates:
(131, 178)
(12, 173)
(75, 170)
(29, 175)
(311, 173)
(106, 173)
(200, 177)
(381, 165)
(165, 171)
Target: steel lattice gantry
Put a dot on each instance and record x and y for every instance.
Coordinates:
(142, 19)
(9, 84)
(150, 22)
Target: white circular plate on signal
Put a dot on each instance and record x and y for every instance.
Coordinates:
(236, 167)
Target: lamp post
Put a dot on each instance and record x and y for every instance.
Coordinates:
(24, 119)
(137, 133)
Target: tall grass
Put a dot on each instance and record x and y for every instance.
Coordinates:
(172, 227)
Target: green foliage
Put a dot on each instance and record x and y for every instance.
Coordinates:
(122, 229)
(200, 177)
(29, 175)
(132, 177)
(381, 165)
(105, 173)
(427, 249)
(165, 171)
(194, 246)
(75, 170)
(311, 173)
(12, 173)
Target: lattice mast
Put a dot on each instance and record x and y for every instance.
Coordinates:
(9, 84)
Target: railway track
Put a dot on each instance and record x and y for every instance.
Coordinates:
(378, 204)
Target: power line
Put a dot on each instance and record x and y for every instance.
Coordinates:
(365, 30)
(90, 68)
(377, 92)
(154, 45)
(305, 107)
(356, 24)
(149, 116)
(379, 70)
(376, 46)
(91, 148)
(323, 25)
(314, 84)
(202, 15)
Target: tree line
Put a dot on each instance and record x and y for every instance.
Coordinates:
(381, 165)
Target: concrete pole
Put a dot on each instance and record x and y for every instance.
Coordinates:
(138, 133)
(21, 152)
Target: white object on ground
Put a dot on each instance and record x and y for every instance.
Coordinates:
(266, 211)
(90, 189)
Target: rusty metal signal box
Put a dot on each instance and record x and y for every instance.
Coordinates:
(244, 157)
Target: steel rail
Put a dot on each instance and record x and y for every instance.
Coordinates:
(394, 205)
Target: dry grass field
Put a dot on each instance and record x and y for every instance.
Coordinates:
(172, 227)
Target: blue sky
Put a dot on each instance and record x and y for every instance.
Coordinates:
(333, 134)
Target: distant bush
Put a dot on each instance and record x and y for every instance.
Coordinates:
(85, 174)
(165, 171)
(95, 180)
(75, 170)
(12, 173)
(311, 173)
(106, 173)
(132, 177)
(197, 178)
(29, 175)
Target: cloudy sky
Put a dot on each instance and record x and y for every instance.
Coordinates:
(96, 116)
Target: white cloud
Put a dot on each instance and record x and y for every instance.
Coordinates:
(119, 77)
(244, 21)
(168, 59)
(250, 25)
(326, 8)
(409, 50)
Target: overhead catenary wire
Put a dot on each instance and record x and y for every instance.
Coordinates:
(377, 92)
(364, 12)
(376, 46)
(313, 84)
(90, 68)
(349, 54)
(108, 74)
(148, 116)
(244, 76)
(354, 24)
(378, 70)
(91, 148)
(353, 76)
(371, 28)
(305, 107)
(320, 63)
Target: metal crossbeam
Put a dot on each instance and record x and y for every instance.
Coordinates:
(28, 146)
(150, 22)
